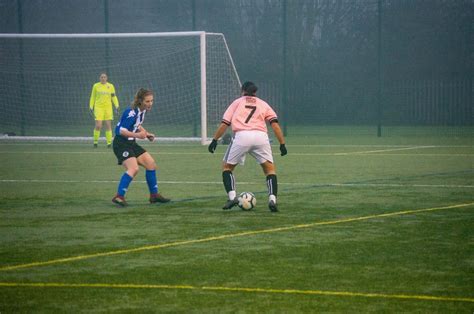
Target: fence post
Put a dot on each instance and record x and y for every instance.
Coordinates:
(285, 73)
(22, 71)
(379, 69)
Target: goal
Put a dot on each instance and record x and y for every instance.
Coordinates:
(46, 81)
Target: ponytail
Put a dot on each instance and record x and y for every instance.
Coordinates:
(140, 96)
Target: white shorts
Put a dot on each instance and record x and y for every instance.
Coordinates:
(256, 143)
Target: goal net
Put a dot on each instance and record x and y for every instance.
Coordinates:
(46, 81)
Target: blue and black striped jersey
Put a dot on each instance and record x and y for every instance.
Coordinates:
(131, 120)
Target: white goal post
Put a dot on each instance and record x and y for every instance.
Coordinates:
(46, 80)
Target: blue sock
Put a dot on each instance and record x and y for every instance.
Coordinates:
(124, 183)
(151, 181)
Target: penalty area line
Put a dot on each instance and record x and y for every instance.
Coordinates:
(384, 150)
(393, 185)
(239, 289)
(226, 236)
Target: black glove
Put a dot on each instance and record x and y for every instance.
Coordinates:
(91, 111)
(212, 147)
(283, 149)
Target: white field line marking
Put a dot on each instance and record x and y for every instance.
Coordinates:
(42, 285)
(359, 153)
(379, 154)
(107, 153)
(87, 145)
(375, 145)
(251, 183)
(385, 150)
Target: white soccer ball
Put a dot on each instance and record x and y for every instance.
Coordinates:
(247, 201)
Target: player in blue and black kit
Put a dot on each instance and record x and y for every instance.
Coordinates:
(130, 154)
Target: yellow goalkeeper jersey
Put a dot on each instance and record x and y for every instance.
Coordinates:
(103, 95)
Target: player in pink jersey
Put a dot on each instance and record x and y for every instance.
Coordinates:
(247, 116)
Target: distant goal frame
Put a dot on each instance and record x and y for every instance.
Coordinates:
(203, 139)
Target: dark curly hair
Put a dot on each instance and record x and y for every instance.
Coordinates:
(249, 89)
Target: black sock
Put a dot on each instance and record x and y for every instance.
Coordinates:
(229, 181)
(272, 184)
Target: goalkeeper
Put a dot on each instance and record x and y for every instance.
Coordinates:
(100, 105)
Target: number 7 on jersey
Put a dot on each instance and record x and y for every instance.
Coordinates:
(252, 111)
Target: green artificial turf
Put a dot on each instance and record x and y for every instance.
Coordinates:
(65, 247)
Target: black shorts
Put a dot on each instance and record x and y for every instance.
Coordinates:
(124, 149)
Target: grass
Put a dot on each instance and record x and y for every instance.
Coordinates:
(190, 256)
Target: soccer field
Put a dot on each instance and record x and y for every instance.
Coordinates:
(366, 224)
